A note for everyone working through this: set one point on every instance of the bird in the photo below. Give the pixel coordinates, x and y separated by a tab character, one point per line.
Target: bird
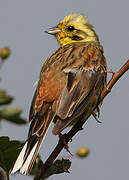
70	83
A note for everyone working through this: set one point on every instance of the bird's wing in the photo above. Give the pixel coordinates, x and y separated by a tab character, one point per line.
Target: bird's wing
84	85
82	97
79	85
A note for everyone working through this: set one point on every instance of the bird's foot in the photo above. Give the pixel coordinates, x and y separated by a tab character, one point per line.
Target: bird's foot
63	139
96	117
112	72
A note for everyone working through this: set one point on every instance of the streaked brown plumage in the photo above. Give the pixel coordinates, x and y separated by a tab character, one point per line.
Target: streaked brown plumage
70	84
61	75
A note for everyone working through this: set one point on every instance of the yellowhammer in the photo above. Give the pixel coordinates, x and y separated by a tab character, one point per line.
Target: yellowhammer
70	83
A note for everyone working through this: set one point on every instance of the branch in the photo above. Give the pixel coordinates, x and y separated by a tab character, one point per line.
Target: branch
78	126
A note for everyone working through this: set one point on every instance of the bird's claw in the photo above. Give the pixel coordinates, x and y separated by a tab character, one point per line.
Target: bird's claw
63	139
96	116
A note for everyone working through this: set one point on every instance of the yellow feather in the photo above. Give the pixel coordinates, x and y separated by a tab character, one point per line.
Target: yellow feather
83	29
75	17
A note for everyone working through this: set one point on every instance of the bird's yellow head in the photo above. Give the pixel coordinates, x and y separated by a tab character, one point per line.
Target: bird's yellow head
73	28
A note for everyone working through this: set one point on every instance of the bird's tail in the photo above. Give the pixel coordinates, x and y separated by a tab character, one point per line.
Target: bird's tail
29	152
26	159
30	156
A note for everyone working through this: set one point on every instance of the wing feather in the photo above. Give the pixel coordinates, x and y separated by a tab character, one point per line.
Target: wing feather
73	94
87	102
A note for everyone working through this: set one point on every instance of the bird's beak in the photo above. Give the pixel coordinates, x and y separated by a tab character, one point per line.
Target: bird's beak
53	30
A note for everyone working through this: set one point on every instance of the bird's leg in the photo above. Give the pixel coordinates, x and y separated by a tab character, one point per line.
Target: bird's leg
63	139
112	72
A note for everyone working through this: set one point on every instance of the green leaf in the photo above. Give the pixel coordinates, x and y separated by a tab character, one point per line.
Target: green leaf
16	120
37	165
12	114
59	166
5	98
9	151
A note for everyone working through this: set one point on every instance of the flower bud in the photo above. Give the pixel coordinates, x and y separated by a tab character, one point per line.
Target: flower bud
9	112
4	53
83	152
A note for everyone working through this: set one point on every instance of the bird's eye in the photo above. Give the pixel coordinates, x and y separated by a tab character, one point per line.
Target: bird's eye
70	28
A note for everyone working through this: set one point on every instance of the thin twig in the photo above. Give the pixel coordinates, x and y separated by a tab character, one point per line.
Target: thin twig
78	126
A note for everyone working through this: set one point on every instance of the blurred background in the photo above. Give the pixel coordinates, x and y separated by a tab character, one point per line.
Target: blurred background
22	25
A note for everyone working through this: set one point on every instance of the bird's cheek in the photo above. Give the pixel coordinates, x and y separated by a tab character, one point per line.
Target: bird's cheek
60	35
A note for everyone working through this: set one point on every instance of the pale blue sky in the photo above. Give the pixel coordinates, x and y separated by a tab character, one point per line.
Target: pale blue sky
22	25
